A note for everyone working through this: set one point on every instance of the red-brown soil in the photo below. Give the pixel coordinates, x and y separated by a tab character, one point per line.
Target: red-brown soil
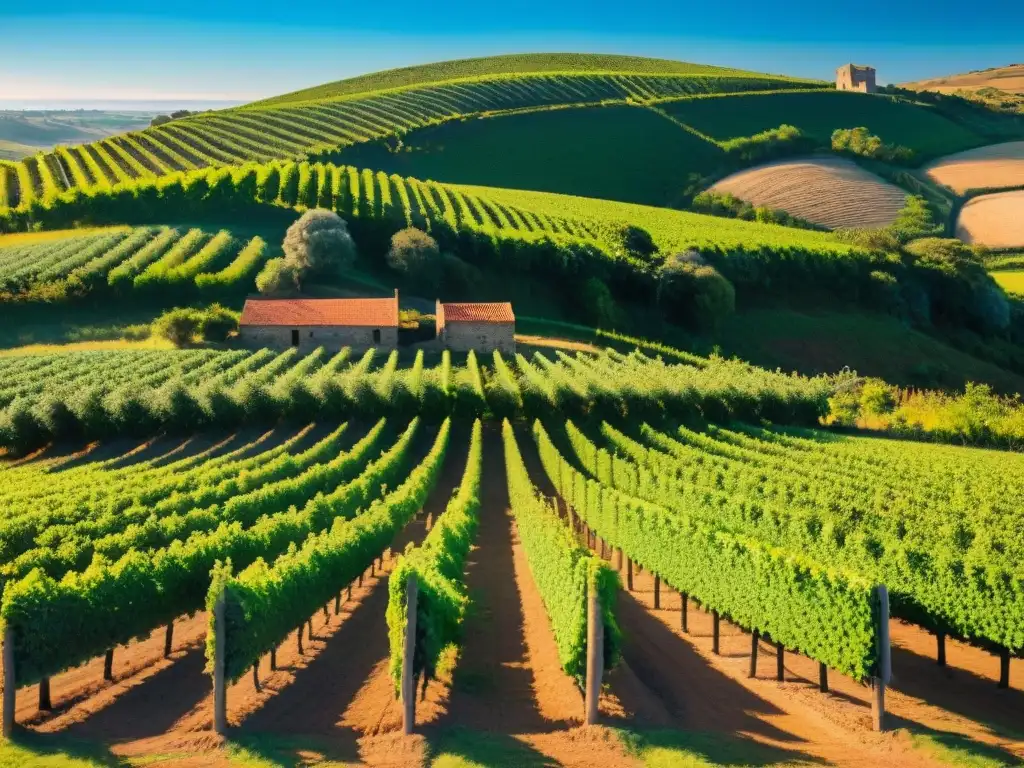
337	700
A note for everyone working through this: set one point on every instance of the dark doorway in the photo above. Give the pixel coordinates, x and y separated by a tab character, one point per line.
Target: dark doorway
376	336
295	337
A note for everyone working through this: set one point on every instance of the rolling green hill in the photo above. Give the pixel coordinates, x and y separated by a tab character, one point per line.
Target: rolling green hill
511	64
626	153
821	112
326	119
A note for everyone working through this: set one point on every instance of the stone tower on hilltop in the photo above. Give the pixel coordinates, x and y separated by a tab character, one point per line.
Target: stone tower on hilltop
851	77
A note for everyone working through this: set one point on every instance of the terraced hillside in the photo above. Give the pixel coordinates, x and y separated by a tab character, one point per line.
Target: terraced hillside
154	259
333	117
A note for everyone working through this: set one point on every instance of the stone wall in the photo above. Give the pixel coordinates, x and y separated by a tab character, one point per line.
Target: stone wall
483	337
331	338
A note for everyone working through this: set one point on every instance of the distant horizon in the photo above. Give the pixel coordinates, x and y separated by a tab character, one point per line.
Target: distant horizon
146	106
232	52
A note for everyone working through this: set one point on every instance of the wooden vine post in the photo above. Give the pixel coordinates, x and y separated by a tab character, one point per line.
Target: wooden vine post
595	655
220	704
10	687
408	656
884	668
715	621
754	639
657	592
683	599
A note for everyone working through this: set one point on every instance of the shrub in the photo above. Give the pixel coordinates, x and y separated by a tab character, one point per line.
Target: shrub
277	276
784	141
179	326
727	205
460	278
876	398
218	323
960	290
884	292
631	242
694	293
858	141
598	307
416	255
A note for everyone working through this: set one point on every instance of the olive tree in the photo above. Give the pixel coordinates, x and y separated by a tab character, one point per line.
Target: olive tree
415	254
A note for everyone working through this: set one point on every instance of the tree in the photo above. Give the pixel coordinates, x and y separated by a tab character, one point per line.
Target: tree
159	120
632	242
319	243
597	305
694	293
416	255
277	276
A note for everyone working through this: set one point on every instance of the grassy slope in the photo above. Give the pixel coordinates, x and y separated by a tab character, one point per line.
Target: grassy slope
499	65
819	113
11	150
872	345
671	229
1011	280
616	153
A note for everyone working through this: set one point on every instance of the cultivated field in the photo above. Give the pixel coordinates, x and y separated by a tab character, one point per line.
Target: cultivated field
998	165
734	575
995	221
832	192
1009	79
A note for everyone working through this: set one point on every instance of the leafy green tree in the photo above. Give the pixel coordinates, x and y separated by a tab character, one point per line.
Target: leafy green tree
319	243
694	293
416	255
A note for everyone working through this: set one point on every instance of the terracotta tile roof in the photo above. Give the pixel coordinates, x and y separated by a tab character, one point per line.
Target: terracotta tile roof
379	313
478	313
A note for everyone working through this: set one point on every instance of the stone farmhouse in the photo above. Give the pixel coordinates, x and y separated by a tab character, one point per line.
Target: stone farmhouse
481	327
852	77
328	323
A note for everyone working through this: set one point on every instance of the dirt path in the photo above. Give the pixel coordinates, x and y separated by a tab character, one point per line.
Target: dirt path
508	682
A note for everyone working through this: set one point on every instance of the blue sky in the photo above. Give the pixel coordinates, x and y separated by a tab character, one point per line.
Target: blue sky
187	50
